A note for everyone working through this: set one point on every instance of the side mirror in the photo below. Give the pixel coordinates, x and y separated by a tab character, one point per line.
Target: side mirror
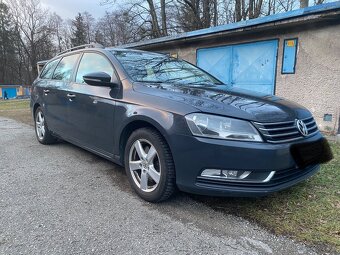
98	79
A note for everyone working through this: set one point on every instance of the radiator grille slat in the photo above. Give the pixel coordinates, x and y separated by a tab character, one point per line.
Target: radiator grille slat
280	132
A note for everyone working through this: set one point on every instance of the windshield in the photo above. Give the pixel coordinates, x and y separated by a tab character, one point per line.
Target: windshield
158	68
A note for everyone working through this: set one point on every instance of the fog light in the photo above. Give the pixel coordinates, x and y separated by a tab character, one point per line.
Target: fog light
211	173
230	173
225	174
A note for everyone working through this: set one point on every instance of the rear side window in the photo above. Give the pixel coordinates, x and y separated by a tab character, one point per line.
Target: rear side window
91	63
48	70
65	67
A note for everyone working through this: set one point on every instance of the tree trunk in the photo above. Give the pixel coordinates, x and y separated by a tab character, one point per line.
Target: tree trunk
154	20
303	3
243	10
215	14
251	9
206	13
163	15
258	8
238	15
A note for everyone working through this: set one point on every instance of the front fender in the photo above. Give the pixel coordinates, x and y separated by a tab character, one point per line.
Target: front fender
166	123
35	98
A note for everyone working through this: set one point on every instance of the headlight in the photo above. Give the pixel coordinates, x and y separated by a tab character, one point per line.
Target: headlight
222	127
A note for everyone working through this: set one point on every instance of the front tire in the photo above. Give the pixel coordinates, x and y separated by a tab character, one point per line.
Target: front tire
42	132
149	165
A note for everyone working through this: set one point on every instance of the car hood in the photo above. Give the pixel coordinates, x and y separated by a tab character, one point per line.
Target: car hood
228	101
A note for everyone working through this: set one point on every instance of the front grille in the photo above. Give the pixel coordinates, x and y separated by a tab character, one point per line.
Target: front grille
280	132
280	177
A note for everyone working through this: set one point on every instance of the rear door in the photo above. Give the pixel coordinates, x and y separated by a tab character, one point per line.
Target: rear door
46	90
55	95
91	111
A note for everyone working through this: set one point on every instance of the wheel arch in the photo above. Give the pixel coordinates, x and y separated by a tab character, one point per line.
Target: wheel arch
35	107
136	123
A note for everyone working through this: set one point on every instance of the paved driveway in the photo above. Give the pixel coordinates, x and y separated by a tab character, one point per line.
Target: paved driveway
60	199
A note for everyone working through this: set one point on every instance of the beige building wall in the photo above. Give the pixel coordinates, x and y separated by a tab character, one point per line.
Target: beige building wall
316	82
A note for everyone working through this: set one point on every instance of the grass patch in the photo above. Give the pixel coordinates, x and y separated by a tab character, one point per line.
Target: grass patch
16	109
309	211
15	104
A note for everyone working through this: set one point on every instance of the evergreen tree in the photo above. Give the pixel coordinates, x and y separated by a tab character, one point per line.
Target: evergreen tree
8	57
79	31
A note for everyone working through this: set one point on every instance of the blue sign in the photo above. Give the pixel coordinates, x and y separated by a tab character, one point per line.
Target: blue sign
289	56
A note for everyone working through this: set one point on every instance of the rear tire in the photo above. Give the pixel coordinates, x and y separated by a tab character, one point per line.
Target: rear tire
44	135
149	165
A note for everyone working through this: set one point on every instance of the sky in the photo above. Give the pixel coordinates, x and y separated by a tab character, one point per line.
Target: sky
68	9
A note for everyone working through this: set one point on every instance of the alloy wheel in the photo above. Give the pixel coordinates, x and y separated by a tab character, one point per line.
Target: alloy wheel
144	165
40	125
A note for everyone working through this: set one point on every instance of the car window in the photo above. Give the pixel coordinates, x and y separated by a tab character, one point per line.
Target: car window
91	63
158	68
48	70
65	67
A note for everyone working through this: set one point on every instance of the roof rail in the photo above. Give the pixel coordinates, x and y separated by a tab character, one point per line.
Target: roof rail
90	45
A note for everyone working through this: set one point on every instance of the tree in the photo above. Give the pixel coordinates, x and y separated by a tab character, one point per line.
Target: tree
304	3
118	27
107	27
99	37
197	14
163	16
189	15
56	25
255	8
89	23
32	24
67	33
79	31
8	57
156	32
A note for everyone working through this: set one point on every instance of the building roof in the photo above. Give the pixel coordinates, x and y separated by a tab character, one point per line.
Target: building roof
13	85
299	14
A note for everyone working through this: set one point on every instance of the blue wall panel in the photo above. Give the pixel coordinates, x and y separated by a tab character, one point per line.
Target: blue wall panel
11	92
249	66
254	66
216	61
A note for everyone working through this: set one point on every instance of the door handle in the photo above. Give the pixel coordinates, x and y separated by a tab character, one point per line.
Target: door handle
46	91
71	95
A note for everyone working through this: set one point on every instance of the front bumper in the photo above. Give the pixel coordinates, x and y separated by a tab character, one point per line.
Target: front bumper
194	154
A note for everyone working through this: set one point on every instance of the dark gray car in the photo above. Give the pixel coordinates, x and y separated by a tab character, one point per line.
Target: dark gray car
172	125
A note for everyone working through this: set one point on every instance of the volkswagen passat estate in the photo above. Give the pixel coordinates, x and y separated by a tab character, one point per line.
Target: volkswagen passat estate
172	125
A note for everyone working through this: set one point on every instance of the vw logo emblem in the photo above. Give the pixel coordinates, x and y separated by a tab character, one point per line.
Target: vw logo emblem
302	127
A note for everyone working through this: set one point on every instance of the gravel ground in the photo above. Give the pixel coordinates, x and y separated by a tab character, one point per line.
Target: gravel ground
60	199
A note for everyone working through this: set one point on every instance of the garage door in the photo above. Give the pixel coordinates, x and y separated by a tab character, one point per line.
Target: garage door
249	66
